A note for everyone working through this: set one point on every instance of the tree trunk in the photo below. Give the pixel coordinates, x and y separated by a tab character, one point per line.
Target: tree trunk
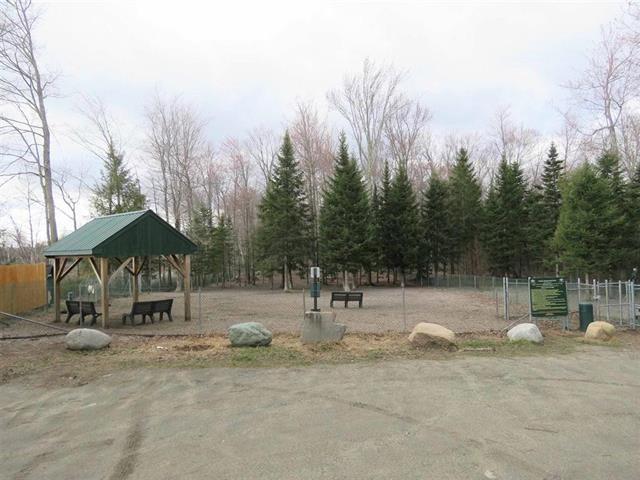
285	276
345	281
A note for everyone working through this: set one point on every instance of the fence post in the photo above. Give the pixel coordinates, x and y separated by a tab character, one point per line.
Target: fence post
304	303
578	293
529	292
595	299
404	308
620	299
505	294
606	297
200	306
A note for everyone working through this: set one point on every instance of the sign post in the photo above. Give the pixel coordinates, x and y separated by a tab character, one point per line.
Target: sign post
315	287
548	298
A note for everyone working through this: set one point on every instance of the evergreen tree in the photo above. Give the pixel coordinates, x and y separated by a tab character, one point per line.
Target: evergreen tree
284	233
385	221
375	258
344	217
465	207
403	223
117	191
551	202
505	218
582	237
617	226
436	228
222	249
538	236
201	232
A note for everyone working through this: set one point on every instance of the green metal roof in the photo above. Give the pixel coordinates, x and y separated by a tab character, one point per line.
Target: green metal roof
131	234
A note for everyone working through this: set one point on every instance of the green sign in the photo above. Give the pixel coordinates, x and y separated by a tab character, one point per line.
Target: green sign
548	297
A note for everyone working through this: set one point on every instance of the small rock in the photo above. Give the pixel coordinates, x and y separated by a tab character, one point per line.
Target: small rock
525	331
86	339
249	334
431	334
490	475
600	331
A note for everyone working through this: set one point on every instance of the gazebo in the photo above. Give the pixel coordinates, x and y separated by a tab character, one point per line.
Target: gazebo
129	239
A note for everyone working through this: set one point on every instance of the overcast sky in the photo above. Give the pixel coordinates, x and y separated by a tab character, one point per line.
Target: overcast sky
244	64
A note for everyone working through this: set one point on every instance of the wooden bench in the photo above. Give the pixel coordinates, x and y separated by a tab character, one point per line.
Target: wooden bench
148	309
347	297
76	307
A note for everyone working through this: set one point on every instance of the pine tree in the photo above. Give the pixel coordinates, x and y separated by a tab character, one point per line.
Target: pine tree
582	236
465	206
403	223
436	228
505	218
222	249
617	226
117	192
344	217
375	257
551	202
201	232
538	232
284	233
385	221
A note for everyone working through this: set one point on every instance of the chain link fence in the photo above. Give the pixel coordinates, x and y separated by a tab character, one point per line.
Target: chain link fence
463	303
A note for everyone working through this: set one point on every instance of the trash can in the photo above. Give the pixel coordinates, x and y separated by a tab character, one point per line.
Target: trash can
585	313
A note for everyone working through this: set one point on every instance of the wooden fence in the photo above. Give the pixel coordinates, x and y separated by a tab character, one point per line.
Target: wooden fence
22	287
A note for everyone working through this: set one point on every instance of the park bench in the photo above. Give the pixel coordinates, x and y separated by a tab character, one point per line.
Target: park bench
148	309
76	307
347	297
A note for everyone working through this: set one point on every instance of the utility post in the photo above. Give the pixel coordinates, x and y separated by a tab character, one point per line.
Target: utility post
315	287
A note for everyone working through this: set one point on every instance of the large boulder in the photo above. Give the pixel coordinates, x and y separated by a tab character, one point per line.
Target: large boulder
525	331
431	334
249	334
86	339
600	331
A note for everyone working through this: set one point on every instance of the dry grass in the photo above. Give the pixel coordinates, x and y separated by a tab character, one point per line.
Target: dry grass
47	361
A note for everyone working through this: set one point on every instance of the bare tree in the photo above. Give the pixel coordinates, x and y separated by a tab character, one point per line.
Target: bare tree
262	146
70	188
311	139
23	117
607	92
366	101
101	137
514	142
175	144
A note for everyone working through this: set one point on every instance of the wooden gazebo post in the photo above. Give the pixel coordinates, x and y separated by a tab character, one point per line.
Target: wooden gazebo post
104	280
187	287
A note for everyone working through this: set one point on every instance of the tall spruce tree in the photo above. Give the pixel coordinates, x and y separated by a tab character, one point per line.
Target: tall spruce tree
551	202
222	249
385	220
344	217
436	230
505	219
465	207
403	225
582	236
617	225
375	257
118	191
201	232
284	233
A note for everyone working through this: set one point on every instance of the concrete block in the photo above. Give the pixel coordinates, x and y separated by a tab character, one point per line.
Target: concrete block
321	327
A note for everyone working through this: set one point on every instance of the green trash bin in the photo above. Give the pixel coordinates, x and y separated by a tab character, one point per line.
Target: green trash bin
585	312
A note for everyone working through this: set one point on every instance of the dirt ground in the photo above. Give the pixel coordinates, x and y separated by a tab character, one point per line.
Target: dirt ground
371	407
215	310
